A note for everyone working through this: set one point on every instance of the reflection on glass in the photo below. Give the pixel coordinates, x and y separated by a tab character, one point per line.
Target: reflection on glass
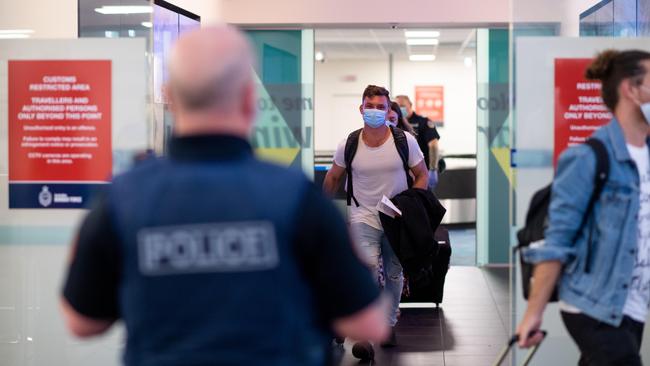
283	130
643	19
625	18
605	20
588	26
165	32
616	18
114	24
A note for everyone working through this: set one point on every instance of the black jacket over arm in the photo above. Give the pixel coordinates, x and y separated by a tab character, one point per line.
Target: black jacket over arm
412	235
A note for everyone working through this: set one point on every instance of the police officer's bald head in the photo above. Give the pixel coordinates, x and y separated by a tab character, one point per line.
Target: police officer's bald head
211	84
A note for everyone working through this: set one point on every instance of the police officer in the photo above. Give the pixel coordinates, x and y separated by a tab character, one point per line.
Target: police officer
209	256
427	135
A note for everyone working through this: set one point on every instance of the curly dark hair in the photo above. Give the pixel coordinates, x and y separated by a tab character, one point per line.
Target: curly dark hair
611	67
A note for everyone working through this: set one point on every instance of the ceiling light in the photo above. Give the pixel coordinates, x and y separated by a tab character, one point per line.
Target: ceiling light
131	33
124	9
147	24
422	57
16	31
422	42
13	36
421	34
319	56
468	62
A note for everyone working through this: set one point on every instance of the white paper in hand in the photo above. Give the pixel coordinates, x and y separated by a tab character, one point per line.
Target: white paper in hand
388	208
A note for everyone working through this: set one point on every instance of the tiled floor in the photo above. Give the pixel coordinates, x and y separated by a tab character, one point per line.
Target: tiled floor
469	329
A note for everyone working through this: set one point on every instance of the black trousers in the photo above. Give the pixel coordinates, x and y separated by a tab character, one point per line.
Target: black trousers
601	344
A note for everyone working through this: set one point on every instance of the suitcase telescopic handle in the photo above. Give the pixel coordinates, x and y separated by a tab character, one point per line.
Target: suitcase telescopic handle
513	341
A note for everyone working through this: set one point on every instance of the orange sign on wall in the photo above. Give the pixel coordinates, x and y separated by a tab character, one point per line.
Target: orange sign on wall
430	102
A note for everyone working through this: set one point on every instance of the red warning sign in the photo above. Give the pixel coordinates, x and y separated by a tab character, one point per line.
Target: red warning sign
60	121
579	108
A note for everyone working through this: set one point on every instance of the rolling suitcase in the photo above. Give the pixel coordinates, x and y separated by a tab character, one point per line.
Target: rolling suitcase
511	343
435	290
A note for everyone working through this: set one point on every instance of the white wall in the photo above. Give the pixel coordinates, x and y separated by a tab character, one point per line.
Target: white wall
458	136
48	18
336	100
564	12
441	12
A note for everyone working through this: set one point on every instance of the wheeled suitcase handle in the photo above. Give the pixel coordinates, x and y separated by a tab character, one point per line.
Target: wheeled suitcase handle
512	342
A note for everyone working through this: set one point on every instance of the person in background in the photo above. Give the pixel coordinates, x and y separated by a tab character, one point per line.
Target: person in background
395	118
427	136
603	308
210	256
377	171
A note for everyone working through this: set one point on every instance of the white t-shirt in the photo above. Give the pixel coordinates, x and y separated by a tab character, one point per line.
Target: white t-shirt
376	172
638	297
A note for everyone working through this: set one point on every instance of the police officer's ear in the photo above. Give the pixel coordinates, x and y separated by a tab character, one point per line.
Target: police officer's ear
248	102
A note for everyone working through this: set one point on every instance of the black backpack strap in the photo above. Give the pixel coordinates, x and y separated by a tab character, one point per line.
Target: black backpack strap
402	145
351	145
600	179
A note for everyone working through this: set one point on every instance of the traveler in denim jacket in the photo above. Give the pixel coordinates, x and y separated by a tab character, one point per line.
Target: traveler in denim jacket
604	308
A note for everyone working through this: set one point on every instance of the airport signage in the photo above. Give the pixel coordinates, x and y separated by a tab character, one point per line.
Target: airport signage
59	131
579	108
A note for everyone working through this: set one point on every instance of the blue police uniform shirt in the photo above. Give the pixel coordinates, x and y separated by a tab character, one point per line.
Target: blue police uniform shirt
212	257
426	131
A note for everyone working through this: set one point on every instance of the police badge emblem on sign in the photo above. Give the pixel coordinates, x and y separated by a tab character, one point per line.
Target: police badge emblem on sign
45	197
201	248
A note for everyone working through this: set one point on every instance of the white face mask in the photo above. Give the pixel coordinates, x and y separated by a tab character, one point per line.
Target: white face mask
645	107
391	124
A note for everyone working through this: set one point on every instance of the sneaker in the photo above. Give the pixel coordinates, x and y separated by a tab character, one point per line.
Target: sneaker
363	351
392	339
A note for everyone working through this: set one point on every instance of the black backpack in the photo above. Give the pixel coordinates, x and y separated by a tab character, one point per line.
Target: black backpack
537	216
351	145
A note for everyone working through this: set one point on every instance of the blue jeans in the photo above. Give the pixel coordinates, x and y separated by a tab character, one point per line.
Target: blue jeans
373	245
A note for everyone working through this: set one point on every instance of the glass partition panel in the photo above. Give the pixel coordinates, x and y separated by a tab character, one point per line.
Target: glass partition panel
284	131
625	18
75	113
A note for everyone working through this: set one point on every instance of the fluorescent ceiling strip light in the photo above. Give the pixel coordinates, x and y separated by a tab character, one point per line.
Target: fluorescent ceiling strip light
422	42
421	34
13	36
147	24
124	9
422	57
16	31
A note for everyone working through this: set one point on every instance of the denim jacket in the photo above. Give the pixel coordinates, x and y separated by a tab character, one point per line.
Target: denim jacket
602	291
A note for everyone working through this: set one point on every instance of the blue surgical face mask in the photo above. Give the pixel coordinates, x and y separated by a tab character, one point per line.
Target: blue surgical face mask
404	111
374	118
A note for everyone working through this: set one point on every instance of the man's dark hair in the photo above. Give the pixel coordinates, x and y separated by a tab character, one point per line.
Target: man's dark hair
612	66
374	91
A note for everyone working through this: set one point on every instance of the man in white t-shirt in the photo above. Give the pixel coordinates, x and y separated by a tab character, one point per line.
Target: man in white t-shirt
377	171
